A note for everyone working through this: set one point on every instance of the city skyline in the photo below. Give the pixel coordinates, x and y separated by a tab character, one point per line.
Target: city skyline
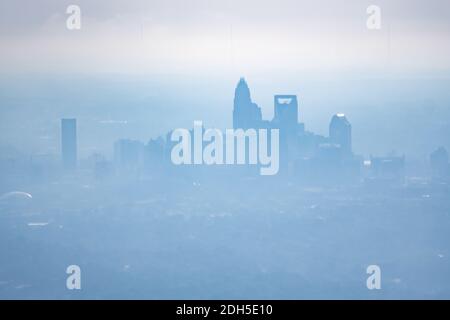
224	150
297	145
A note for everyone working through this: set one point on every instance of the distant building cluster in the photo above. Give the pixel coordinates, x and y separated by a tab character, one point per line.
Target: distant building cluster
303	153
304	156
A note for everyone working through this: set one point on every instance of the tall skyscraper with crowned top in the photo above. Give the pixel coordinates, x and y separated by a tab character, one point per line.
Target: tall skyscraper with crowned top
246	114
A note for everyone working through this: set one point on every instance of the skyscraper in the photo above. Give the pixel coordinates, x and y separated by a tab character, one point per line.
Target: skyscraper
246	114
286	112
340	132
69	143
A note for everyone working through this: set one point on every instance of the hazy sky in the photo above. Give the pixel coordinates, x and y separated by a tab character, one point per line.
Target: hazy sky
201	36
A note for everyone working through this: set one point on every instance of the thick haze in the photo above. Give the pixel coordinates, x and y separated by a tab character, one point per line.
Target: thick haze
222	36
137	69
139	226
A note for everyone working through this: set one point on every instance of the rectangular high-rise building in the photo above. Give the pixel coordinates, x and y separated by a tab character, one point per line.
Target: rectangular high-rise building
69	143
286	112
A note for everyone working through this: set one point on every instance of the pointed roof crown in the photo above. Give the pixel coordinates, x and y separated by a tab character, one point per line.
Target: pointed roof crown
242	92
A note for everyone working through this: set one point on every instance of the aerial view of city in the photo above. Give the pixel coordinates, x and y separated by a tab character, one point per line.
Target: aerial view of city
224	150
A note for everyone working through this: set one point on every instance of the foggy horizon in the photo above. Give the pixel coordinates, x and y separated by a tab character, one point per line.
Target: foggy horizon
214	150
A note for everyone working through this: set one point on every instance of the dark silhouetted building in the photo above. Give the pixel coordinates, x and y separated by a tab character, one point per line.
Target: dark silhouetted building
69	143
340	132
286	113
246	114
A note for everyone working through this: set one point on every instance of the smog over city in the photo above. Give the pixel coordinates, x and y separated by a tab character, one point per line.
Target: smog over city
224	150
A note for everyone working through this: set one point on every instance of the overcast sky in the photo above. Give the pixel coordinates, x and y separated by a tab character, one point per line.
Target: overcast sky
201	36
